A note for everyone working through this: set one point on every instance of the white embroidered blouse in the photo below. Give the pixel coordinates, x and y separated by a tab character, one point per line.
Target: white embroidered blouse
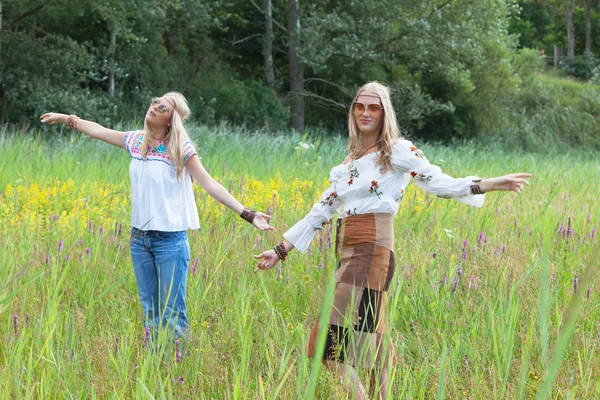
160	201
359	187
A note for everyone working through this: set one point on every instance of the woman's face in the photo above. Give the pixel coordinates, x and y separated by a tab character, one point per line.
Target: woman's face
368	113
160	112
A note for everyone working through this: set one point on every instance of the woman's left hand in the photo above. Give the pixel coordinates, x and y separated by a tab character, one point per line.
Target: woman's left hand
260	222
510	182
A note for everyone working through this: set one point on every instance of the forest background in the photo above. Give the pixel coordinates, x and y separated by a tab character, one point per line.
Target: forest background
460	69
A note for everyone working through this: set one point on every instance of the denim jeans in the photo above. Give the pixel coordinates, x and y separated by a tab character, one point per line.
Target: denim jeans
160	261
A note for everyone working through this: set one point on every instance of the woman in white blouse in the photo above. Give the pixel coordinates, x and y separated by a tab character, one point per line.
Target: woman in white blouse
163	162
365	192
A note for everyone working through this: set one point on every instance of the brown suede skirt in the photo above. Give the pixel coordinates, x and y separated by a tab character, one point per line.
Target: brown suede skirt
358	331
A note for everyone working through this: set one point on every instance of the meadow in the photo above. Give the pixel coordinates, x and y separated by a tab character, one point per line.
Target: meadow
492	303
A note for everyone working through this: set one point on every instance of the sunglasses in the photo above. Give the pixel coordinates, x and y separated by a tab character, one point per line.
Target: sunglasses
161	107
359	108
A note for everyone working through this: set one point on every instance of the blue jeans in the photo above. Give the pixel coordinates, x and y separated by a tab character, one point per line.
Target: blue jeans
160	261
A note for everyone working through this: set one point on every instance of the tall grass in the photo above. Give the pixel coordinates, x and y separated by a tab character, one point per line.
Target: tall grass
486	303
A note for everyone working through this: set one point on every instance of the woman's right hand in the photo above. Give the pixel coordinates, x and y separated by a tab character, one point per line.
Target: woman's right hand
268	260
54	118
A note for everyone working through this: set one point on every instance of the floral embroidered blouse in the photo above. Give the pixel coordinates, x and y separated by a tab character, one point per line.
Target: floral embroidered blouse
359	187
160	201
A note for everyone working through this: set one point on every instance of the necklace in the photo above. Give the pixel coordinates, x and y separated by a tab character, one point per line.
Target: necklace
363	153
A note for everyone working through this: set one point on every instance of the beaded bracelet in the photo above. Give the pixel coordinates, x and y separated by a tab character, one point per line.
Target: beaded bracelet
248	215
280	251
72	121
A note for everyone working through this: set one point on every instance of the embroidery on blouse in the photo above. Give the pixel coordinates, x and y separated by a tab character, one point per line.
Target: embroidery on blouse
418	153
156	153
329	199
351	213
375	189
353	174
420	177
400	197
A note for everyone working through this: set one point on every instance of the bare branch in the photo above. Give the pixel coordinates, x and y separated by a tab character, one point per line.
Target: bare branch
325	102
340	88
235	42
262	11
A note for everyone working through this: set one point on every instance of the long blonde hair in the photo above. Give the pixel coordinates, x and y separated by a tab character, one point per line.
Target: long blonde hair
390	131
176	135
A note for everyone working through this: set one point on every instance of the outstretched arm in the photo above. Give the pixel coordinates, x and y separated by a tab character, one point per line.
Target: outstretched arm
511	183
90	128
219	193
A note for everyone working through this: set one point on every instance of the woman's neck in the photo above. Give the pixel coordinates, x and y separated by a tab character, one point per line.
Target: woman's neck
158	133
368	140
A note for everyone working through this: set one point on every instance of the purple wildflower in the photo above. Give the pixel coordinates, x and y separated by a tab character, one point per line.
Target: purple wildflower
87	251
67	257
435	286
472	282
485	242
194	266
309	251
287	280
443	280
464	245
480	237
503	249
90	225
593	232
47	258
456	279
101	229
16	323
177	351
60	245
458	270
575	282
587	294
434	255
147	336
589	217
279	272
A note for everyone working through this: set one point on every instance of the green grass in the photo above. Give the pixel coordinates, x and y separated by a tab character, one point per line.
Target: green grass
513	328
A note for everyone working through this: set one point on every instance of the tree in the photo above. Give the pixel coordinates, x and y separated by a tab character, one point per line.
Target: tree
569	5
268	50
296	67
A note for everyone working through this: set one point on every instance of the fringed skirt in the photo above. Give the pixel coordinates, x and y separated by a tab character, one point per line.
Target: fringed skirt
358	331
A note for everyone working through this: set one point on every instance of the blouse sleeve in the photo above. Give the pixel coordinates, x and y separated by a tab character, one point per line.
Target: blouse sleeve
409	159
130	140
188	151
302	233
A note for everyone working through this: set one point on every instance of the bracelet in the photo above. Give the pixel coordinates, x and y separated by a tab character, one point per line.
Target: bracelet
475	189
280	251
283	250
72	121
248	215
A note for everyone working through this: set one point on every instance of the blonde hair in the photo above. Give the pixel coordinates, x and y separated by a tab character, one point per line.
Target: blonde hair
390	132
176	135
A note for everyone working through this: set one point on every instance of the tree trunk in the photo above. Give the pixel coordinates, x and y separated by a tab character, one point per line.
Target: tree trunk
570	31
268	50
111	58
296	71
588	26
